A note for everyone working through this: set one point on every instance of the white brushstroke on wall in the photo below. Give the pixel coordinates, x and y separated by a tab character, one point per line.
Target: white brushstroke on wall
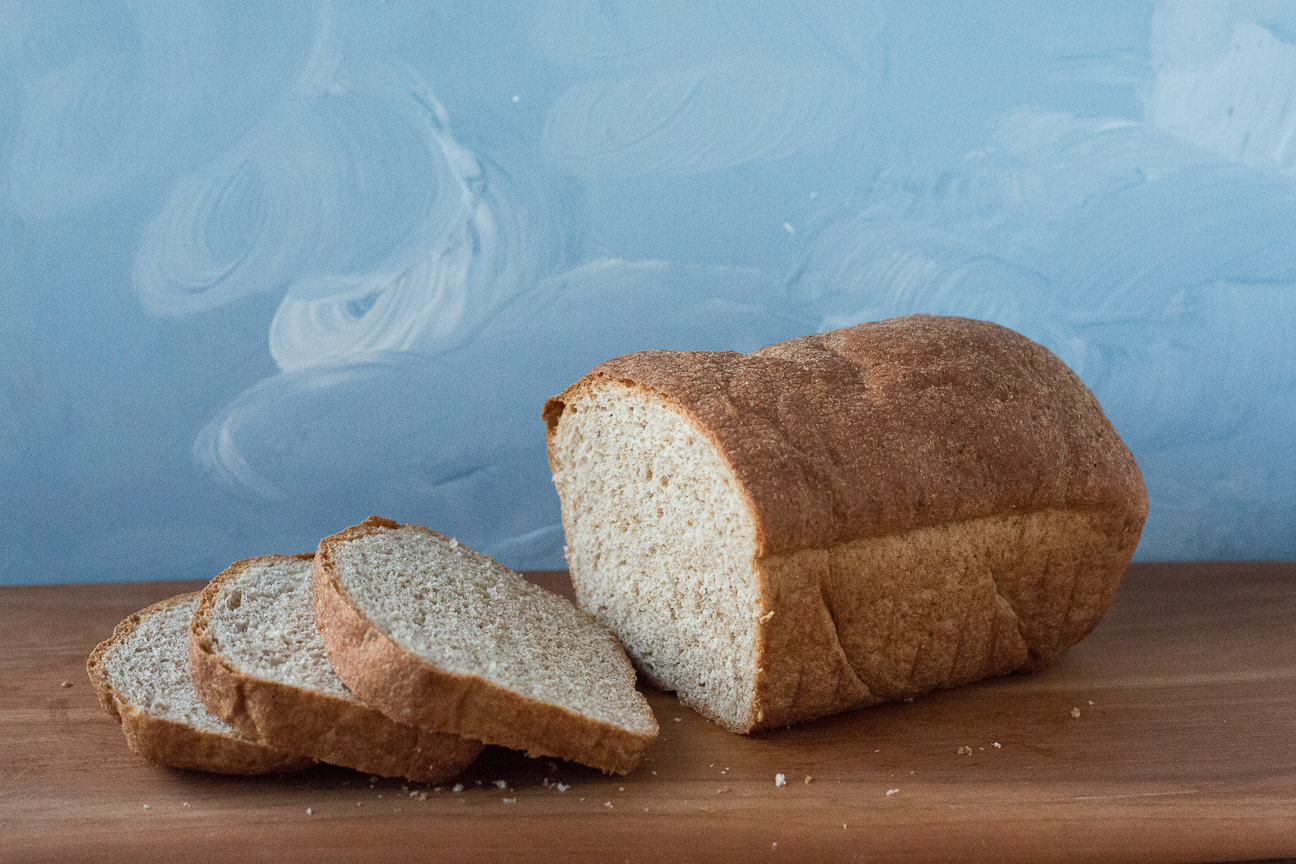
1226	78
694	88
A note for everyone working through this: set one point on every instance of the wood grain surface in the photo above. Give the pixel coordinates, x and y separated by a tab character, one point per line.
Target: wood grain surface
1184	750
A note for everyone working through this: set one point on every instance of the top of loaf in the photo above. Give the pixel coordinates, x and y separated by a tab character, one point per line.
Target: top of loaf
889	426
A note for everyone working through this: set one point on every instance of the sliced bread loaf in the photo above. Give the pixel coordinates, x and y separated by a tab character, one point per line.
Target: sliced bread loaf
259	663
439	636
842	519
141	675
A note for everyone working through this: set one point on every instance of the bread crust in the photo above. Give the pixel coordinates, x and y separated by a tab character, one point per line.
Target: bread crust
169	742
407	688
319	725
896	433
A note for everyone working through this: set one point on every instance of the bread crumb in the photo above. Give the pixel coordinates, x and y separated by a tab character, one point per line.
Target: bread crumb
563	787
510	800
780	780
186	804
607	804
1075	712
996	745
679	719
621	789
774	845
503	784
892	792
654	773
69	684
843	826
422	796
404	788
1090	701
146	807
458	787
965	751
808	779
310	812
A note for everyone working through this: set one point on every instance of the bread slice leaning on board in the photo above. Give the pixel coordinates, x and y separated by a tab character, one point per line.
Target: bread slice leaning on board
141	676
440	637
843	519
259	663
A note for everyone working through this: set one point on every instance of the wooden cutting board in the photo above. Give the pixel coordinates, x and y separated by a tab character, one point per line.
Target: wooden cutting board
1184	749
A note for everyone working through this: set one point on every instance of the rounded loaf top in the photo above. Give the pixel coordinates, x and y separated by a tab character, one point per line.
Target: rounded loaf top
889	426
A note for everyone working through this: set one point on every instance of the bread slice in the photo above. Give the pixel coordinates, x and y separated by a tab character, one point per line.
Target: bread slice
141	675
259	663
847	518
436	635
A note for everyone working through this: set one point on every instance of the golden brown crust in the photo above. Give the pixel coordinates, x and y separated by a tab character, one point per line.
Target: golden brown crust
885	427
319	725
941	463
174	744
409	689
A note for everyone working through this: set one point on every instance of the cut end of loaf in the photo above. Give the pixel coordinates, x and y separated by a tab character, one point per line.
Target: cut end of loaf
660	543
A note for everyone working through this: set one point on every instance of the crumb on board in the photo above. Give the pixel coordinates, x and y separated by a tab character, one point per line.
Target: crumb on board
69	684
607	804
808	779
502	784
780	780
679	719
1075	712
891	792
965	751
147	807
510	800
458	787
997	746
310	812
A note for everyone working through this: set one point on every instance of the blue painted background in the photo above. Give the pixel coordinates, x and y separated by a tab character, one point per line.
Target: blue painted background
266	269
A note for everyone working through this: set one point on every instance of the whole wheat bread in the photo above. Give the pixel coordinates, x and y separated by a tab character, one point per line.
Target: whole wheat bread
141	676
436	635
847	518
259	663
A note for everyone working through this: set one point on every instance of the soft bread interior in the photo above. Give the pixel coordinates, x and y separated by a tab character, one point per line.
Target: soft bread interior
661	544
150	669
468	615
263	623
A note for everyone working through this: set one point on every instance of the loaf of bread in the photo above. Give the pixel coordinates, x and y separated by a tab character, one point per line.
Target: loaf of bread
259	663
839	520
141	676
437	636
